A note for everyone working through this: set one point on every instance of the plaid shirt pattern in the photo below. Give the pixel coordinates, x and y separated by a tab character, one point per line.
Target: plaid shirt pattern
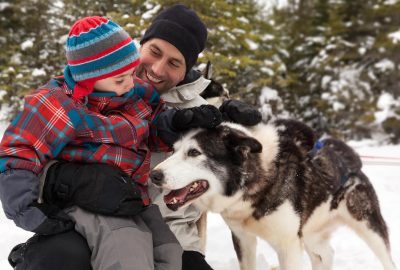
108	129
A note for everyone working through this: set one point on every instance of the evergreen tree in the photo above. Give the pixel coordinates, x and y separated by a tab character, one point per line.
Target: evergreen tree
336	49
330	61
23	24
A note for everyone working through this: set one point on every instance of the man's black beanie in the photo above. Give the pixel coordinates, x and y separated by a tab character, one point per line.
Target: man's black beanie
181	27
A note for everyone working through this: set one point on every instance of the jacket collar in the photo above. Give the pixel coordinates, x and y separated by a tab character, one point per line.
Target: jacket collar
186	92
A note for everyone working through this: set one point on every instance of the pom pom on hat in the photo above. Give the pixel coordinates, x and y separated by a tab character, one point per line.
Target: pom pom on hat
98	48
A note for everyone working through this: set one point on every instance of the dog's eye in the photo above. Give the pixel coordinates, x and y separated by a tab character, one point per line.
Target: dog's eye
193	153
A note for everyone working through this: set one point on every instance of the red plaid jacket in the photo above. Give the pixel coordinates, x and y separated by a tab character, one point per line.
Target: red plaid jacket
108	129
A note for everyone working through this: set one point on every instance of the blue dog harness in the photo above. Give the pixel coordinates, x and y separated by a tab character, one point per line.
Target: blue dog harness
345	174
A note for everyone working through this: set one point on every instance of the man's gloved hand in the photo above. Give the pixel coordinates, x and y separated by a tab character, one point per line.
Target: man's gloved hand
98	188
205	116
239	112
56	222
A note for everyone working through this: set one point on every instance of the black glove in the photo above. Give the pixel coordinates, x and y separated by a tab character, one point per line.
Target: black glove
205	116
193	260
239	112
98	188
56	222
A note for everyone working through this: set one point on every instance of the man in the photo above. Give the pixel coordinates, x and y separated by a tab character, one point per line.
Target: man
169	50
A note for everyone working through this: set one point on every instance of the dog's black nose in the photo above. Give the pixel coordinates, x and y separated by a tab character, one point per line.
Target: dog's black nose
157	177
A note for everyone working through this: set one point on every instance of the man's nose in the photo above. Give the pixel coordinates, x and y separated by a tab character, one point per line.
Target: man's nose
159	67
157	177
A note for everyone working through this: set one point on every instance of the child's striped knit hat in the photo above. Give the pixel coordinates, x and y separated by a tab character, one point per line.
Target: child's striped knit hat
98	48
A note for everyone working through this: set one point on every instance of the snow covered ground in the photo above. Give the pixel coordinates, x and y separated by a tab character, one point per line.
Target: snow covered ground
350	252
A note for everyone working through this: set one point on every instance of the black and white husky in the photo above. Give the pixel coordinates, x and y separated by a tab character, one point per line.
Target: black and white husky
271	182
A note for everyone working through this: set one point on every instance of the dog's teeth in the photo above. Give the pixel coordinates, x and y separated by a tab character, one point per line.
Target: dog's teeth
191	189
195	185
174	200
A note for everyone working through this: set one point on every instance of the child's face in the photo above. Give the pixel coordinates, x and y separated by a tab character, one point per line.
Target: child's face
161	64
120	84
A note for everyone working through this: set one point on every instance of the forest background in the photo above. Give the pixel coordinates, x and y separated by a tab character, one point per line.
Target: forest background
331	63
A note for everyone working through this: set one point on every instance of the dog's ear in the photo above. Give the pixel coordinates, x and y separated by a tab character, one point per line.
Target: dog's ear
207	71
240	143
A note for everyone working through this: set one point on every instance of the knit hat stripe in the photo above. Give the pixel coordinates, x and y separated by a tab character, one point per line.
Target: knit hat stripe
104	70
101	54
105	60
100	46
85	24
103	31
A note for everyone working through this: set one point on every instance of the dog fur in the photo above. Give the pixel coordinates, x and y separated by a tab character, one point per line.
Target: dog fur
215	93
270	182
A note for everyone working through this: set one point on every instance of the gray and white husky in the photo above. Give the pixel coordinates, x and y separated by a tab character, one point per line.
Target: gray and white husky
270	181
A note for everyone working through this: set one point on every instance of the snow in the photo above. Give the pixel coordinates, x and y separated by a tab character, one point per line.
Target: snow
252	44
27	44
4	5
385	65
386	103
270	4
16	58
59	4
38	72
350	252
395	36
362	50
337	106
268	94
243	19
391	2
150	14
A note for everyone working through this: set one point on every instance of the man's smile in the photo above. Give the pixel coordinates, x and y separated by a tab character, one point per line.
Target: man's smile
152	79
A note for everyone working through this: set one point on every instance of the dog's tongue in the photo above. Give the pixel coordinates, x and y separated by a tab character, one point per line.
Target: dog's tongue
178	194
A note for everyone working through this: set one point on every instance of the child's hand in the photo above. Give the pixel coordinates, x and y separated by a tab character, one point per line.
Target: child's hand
98	188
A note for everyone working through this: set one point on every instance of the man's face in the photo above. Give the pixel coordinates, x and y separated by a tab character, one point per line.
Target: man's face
161	64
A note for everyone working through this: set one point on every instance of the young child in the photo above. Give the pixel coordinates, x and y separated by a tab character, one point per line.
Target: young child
96	113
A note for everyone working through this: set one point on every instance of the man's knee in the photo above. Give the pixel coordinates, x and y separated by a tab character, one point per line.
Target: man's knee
168	257
64	251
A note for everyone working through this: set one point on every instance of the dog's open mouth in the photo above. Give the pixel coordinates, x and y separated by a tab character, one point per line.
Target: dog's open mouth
179	197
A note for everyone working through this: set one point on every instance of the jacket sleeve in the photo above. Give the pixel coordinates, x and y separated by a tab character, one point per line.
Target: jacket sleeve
162	134
36	135
19	189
